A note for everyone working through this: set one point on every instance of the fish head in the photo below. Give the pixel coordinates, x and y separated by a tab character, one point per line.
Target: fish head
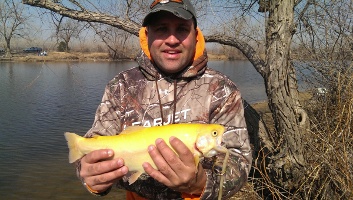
209	140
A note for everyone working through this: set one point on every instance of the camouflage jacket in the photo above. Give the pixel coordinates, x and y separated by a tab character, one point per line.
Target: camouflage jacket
143	96
198	95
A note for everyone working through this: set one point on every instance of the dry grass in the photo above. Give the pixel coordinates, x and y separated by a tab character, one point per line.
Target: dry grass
329	144
328	149
59	56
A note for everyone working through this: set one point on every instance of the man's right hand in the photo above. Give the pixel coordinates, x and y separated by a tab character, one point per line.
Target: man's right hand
99	171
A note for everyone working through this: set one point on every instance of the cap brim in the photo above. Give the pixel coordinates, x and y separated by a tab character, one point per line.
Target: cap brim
179	12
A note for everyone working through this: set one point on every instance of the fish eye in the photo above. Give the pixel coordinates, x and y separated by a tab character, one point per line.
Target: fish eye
214	133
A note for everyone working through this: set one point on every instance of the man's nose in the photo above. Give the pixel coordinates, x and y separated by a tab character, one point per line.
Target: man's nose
172	39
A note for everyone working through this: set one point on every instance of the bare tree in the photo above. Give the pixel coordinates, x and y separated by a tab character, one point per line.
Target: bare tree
326	37
115	39
66	29
13	22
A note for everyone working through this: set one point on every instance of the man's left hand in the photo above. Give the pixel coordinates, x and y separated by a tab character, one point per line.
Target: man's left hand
176	170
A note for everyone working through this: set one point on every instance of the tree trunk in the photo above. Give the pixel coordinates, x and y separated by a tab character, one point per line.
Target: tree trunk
8	48
287	163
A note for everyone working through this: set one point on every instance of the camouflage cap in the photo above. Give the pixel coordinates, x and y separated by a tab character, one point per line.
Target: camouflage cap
180	8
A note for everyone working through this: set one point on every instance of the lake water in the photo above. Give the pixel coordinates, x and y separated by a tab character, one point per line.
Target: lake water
40	101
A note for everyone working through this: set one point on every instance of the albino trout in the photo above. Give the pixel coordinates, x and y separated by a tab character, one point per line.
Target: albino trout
203	140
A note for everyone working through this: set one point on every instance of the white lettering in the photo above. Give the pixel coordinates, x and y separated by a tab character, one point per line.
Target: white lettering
185	112
157	122
169	120
136	123
147	124
176	117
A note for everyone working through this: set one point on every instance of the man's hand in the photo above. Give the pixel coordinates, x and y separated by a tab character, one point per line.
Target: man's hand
176	170
99	171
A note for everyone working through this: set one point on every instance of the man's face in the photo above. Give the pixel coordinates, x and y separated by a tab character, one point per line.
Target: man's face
171	41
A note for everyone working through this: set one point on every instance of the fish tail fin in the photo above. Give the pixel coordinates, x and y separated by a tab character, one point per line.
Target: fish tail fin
72	140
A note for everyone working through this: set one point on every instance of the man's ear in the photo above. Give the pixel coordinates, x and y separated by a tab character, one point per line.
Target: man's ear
146	34
196	33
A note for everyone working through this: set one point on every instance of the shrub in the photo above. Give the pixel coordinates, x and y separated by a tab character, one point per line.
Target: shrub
62	47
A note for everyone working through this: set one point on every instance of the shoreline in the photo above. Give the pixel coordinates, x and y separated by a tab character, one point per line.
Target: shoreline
55	56
58	57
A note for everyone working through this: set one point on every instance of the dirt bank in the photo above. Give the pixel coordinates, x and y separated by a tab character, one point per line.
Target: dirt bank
57	57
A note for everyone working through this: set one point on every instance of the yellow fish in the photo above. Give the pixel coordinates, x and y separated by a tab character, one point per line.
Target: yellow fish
131	144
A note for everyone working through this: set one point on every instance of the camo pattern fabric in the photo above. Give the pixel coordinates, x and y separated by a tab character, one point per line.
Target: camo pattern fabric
202	95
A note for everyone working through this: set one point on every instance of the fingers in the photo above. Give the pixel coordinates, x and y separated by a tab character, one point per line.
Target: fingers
100	171
163	168
167	161
175	169
103	181
91	164
98	155
183	151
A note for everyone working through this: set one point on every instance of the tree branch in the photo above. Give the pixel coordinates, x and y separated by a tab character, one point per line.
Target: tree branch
245	48
89	16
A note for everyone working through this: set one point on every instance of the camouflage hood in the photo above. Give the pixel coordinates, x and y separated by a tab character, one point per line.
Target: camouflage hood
151	72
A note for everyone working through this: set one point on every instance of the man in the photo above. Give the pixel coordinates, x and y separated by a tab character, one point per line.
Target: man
171	85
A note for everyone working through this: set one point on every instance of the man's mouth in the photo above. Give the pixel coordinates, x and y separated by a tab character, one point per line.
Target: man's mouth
171	51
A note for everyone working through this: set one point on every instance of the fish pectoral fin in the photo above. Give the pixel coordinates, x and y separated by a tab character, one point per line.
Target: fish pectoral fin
197	160
134	177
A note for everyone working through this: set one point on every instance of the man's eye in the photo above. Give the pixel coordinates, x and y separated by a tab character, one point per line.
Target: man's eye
182	29
161	29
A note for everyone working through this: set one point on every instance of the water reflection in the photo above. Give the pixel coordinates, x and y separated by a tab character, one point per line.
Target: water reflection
245	76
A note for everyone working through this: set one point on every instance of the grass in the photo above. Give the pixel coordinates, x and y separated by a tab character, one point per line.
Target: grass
328	149
58	56
329	145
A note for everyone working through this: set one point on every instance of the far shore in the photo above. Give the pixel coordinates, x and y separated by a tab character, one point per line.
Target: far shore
75	56
57	57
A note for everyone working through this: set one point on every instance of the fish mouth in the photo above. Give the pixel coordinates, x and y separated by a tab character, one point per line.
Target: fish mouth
197	149
210	153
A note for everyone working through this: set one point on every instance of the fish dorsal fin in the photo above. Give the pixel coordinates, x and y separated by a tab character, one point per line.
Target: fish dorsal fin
131	129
